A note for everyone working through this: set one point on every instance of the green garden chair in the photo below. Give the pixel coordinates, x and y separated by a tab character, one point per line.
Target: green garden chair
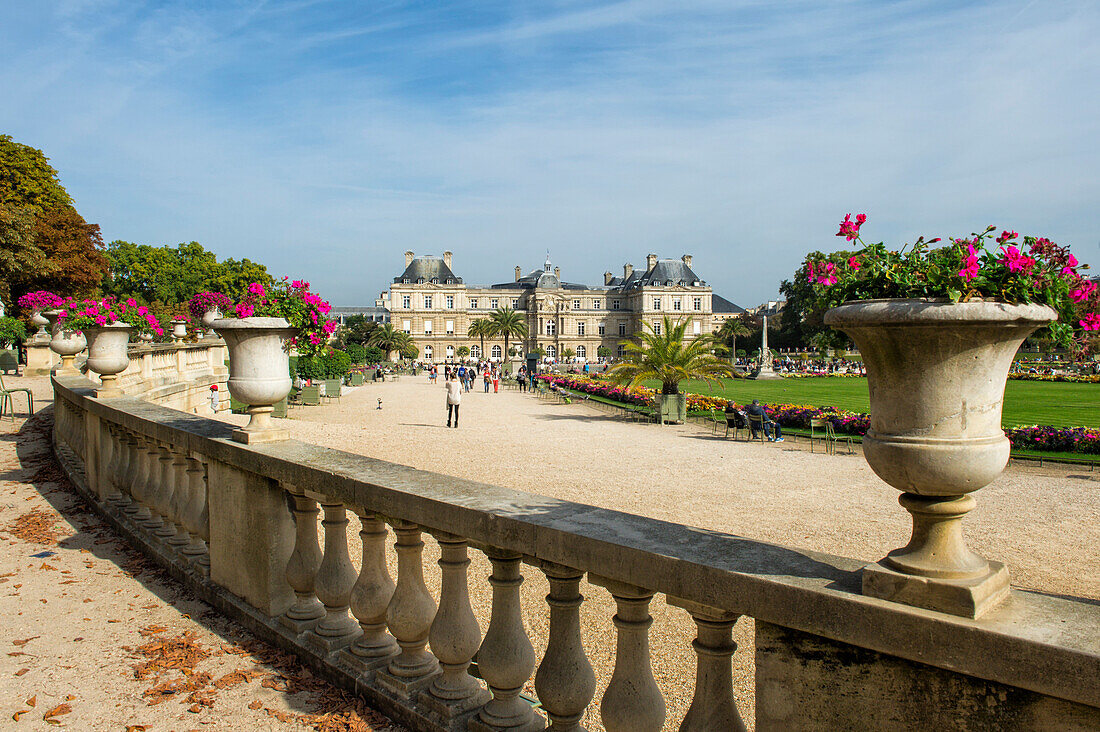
833	437
279	409
756	427
818	431
8	400
311	396
9	361
356	379
332	389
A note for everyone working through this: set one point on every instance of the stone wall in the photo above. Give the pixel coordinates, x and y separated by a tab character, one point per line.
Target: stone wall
238	525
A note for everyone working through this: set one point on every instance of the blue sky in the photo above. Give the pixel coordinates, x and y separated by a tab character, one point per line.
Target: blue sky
326	138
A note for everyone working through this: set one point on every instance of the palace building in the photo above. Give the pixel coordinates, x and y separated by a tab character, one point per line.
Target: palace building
435	306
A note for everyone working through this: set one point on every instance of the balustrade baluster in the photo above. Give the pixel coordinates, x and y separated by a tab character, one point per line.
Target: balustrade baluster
333	582
565	681
108	470
370	597
632	701
301	568
130	473
163	503
713	706
454	636
506	658
409	617
194	513
140	489
119	469
154	483
181	496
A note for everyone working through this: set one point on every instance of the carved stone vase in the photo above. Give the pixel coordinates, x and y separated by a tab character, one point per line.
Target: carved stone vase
936	371
66	342
208	319
107	355
41	322
259	371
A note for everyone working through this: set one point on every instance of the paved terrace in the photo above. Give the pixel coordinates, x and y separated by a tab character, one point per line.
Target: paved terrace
100	602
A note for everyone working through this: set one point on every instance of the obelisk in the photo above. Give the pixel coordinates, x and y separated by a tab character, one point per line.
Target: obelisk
765	369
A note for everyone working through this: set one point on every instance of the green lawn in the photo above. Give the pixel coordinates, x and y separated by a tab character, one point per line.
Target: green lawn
1026	402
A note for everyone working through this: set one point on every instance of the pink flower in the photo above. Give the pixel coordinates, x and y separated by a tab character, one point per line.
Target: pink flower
853	263
244	310
1006	236
850	229
933	241
1015	261
256	289
142	310
1084	289
131	303
810	272
315	339
971	267
313	317
101	320
1091	322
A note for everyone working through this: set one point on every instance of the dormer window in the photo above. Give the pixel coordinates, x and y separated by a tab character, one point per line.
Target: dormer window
435	280
419	280
405	281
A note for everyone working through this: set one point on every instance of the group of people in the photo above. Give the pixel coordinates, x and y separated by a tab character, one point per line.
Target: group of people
740	418
460	379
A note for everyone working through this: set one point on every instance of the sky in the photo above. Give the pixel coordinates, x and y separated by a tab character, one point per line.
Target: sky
326	138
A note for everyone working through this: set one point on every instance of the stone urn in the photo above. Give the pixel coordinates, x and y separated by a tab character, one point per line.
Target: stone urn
40	321
179	330
66	342
107	355
208	319
259	371
936	371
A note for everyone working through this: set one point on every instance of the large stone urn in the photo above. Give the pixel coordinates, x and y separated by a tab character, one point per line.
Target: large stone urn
66	342
40	321
936	371
208	319
259	371
107	355
179	330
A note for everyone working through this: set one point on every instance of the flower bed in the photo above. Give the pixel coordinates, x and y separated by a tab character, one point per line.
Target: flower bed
1052	439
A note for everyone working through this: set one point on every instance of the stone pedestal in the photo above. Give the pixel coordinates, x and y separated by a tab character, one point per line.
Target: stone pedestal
41	361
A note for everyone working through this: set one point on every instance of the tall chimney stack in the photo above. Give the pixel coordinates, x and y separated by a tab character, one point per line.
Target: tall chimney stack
518	272
607	277
557	273
686	260
650	261
447	259
408	258
627	269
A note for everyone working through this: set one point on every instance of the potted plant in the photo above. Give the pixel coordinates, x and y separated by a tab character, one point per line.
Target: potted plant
270	321
37	303
937	329
107	326
206	307
664	355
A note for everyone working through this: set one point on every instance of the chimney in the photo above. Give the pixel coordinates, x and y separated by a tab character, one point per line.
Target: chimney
686	259
447	259
607	277
557	273
650	261
627	269
408	258
518	273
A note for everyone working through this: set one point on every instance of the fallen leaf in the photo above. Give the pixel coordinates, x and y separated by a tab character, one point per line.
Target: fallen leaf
136	728
32	701
22	671
25	641
194	709
255	705
57	711
19	714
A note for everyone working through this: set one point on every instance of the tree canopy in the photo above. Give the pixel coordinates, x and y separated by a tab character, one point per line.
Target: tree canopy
174	274
664	354
44	242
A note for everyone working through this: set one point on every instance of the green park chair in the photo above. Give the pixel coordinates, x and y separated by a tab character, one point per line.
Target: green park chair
756	427
7	399
311	396
356	379
9	361
332	389
819	432
279	409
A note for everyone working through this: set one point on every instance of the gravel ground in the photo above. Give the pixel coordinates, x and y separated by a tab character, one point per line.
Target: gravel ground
774	492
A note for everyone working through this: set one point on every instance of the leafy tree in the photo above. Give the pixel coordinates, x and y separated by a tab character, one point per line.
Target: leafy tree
358	328
12	331
462	352
174	274
603	352
568	354
45	242
481	328
667	357
389	338
356	352
408	349
373	354
799	322
508	324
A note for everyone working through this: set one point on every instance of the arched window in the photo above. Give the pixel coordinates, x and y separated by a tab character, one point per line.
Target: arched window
582	352
551	352
496	353
475	351
427	353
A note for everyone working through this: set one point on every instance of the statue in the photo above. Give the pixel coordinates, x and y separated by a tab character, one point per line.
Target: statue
765	369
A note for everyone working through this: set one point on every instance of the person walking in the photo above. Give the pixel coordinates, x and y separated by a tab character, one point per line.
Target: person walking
486	378
454	398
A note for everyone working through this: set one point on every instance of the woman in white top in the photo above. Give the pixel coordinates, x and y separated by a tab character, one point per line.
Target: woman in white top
454	397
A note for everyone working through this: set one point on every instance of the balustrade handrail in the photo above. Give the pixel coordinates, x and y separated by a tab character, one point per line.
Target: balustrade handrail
808	591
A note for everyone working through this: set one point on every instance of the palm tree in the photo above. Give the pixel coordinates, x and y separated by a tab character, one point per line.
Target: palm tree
729	331
480	328
388	338
507	323
668	358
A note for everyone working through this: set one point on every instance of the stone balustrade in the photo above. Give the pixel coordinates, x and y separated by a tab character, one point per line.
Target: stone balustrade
238	525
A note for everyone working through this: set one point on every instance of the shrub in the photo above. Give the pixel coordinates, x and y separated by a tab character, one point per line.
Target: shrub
12	331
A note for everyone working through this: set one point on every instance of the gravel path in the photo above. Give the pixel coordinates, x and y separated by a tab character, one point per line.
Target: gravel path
774	492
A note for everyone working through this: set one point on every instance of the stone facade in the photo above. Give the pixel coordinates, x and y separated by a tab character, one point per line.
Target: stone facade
431	303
